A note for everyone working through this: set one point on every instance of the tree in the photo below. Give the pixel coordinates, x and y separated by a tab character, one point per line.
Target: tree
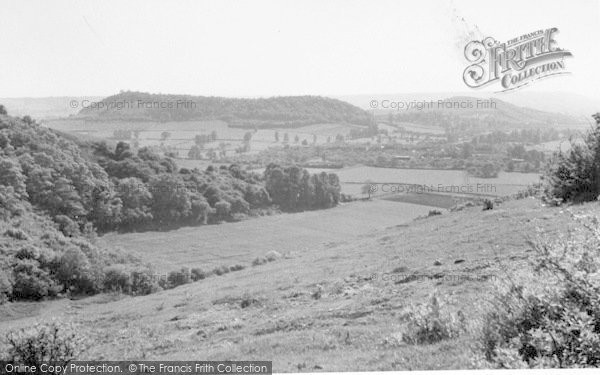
286	138
296	138
276	136
223	210
136	201
195	152
3	110
164	136
368	188
201	139
11	175
171	201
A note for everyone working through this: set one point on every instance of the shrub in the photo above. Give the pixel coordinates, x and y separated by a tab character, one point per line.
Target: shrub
143	282
181	277
77	274
488	205
198	274
556	324
236	267
43	343
117	279
17	234
44	256
67	226
221	270
431	323
434	213
272	255
31	282
258	261
6	286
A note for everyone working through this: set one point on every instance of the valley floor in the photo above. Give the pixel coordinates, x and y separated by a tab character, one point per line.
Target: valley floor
334	304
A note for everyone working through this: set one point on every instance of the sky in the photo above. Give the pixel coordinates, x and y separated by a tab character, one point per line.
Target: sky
275	47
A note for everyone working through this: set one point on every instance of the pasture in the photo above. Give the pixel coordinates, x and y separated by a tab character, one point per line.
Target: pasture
241	242
182	133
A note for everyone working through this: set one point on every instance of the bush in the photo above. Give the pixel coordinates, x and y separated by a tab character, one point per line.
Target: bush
272	255
434	213
31	282
488	205
77	274
236	267
117	279
556	324
67	226
44	256
43	343
431	323
221	270
6	286
198	274
143	282
258	261
181	277
17	234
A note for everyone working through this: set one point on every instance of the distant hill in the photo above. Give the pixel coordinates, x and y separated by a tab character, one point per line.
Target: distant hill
502	111
556	102
476	114
46	108
290	111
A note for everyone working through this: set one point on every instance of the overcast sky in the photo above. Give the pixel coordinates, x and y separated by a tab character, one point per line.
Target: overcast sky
267	48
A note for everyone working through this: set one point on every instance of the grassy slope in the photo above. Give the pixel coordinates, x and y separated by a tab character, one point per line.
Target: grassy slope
216	245
357	322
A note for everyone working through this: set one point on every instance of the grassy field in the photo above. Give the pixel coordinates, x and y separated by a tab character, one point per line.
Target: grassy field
336	302
440	181
182	133
455	182
289	234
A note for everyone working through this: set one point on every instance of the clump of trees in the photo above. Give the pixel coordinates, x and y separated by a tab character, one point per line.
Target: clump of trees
151	192
295	189
574	175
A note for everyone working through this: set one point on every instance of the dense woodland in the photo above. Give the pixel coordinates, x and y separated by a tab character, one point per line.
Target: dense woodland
283	112
56	193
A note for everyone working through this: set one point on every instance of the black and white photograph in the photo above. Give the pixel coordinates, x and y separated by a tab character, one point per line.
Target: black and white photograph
299	186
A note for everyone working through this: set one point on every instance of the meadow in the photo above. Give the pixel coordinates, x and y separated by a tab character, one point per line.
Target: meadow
182	133
447	182
296	233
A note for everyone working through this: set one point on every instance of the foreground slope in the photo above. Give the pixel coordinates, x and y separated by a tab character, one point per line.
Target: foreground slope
337	306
